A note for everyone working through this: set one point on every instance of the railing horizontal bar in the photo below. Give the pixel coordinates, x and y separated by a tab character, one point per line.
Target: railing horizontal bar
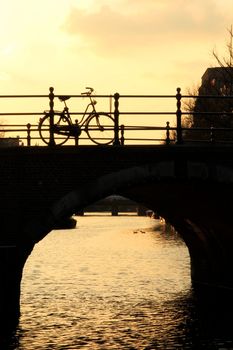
126	128
18	113
121	96
129	127
147	96
20	138
130	113
121	113
14	130
83	96
133	128
208	96
20	125
147	113
207	113
143	139
86	96
23	96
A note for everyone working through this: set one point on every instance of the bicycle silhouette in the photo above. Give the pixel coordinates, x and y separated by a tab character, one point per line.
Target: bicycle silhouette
99	126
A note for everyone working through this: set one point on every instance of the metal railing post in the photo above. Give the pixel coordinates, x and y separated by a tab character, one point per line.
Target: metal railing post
28	134
122	135
76	138
51	115
116	141
179	137
168	134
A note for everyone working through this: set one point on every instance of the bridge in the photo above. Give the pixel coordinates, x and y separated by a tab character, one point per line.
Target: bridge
115	205
190	184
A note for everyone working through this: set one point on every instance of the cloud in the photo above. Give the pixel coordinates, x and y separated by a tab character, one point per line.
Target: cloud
105	28
143	24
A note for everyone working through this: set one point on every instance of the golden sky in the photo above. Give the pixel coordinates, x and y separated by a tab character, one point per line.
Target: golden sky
129	46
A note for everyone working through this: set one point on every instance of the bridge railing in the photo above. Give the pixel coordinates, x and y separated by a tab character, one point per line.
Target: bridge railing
190	119
138	119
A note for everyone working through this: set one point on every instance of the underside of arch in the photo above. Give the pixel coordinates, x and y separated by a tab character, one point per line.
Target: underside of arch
199	207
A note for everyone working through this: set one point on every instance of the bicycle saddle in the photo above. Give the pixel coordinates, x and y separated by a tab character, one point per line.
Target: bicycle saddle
63	98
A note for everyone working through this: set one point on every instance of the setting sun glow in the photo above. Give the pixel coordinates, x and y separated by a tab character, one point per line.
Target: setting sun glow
122	45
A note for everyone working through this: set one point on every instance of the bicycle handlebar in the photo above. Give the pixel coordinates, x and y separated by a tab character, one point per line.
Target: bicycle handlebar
90	88
88	93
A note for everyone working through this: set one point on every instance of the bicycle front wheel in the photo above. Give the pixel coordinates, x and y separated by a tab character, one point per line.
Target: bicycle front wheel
100	128
61	129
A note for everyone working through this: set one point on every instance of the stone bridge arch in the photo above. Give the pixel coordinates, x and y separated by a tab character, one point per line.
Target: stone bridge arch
195	197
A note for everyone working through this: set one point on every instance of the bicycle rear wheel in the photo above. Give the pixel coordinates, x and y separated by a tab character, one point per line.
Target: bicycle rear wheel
61	128
100	128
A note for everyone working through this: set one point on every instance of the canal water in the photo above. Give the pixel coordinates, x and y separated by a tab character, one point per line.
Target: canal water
114	283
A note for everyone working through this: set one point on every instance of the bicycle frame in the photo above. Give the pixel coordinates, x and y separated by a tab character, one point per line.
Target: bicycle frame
82	122
92	103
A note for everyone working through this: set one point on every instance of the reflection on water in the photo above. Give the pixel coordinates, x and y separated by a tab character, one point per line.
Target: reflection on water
113	283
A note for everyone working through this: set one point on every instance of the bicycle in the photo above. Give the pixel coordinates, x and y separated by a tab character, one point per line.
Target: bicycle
93	123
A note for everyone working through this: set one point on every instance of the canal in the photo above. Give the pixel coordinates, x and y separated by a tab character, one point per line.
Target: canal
114	283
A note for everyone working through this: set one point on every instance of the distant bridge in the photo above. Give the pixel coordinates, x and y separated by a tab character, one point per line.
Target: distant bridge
115	205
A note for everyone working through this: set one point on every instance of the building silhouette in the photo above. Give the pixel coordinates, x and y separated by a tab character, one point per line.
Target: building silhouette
213	107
